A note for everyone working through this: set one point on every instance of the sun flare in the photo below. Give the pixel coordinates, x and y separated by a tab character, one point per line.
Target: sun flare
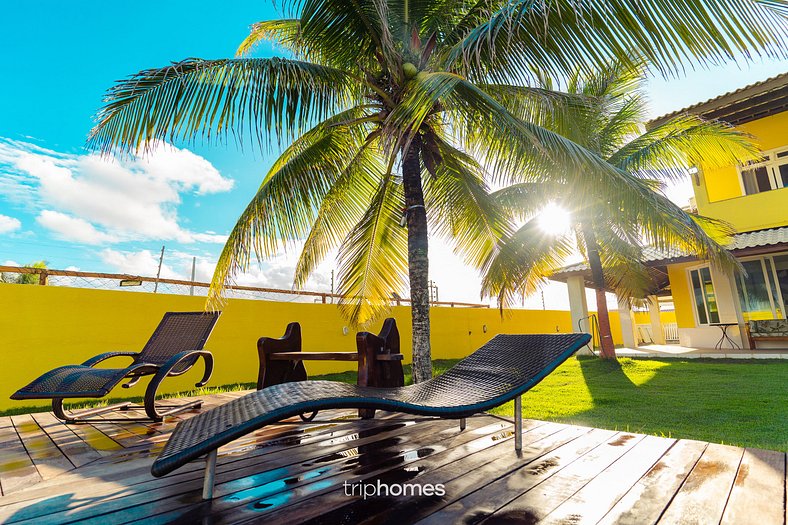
554	220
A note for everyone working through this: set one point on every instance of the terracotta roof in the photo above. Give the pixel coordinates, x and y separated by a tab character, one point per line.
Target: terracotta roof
751	102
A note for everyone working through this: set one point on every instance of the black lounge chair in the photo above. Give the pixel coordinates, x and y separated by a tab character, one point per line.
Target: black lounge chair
503	369
172	350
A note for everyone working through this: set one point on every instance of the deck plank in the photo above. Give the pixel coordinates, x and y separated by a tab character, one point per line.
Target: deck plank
458	478
647	499
539	501
17	470
589	504
702	497
236	490
47	457
501	489
760	481
73	447
296	473
178	484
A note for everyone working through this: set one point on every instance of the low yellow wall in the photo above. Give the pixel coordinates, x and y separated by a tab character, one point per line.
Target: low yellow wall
665	317
43	327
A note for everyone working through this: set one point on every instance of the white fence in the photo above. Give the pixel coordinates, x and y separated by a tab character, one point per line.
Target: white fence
670	331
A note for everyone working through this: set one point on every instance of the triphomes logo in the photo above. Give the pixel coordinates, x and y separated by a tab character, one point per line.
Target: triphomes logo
369	490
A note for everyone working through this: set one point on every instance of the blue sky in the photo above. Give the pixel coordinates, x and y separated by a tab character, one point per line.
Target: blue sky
60	204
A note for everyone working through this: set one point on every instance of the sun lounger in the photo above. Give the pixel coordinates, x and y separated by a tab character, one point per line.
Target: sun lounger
502	370
172	350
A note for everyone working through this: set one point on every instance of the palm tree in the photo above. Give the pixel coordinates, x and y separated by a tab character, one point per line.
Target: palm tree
396	111
23	278
610	227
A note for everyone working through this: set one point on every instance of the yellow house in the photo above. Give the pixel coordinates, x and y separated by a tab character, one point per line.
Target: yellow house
753	198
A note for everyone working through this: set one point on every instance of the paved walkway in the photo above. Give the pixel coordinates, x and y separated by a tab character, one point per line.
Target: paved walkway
690	353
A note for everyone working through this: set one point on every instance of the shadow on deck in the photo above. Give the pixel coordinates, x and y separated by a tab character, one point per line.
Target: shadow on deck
317	472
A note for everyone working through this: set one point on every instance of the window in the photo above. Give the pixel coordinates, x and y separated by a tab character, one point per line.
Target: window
763	292
703	293
767	173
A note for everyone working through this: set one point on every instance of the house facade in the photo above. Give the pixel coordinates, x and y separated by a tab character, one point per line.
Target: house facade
753	198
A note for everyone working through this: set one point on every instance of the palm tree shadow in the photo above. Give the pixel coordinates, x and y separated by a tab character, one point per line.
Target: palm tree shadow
603	376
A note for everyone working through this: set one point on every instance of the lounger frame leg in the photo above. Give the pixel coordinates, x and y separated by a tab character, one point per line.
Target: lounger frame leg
518	423
90	415
210	474
462	424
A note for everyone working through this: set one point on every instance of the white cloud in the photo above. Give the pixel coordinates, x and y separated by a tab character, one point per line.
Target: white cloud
142	262
9	224
183	167
71	228
128	200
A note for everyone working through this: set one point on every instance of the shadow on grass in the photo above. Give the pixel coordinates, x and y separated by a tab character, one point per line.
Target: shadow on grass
735	402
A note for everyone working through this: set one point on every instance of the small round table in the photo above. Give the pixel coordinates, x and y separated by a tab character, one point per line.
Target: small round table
725	337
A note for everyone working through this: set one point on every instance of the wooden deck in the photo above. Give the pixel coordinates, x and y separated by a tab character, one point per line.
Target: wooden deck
99	473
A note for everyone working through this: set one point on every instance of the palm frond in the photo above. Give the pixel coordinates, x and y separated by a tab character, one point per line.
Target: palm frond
522	262
288	200
560	35
341	209
525	199
671	148
285	33
373	257
215	98
460	208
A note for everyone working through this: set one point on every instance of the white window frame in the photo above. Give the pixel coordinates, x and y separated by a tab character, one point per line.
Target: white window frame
772	164
698	268
773	285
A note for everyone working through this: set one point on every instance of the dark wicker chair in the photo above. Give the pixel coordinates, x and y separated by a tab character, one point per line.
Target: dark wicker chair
175	346
503	369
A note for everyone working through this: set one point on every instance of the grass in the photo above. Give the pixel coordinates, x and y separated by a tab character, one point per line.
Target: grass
737	402
731	401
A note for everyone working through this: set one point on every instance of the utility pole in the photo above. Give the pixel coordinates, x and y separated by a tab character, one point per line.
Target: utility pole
433	288
194	273
158	272
332	286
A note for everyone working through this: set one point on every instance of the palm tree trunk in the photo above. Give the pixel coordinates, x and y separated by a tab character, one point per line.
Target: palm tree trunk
597	275
418	263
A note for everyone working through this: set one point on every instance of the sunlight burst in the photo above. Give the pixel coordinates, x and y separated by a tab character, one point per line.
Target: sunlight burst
554	220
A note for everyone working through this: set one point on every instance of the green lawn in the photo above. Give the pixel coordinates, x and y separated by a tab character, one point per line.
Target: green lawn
738	402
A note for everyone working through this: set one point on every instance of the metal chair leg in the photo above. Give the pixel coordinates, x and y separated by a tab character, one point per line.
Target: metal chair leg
210	474
462	424
518	423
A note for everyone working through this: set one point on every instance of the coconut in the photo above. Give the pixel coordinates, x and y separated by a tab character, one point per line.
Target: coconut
410	70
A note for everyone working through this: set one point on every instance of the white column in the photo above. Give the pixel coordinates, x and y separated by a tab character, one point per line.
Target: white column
656	322
728	304
627	323
577	301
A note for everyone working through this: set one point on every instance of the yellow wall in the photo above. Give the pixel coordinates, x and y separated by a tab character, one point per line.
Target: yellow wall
682	300
43	327
665	317
720	194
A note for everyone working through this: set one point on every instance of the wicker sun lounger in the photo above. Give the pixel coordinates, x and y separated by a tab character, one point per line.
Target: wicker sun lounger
172	350
503	369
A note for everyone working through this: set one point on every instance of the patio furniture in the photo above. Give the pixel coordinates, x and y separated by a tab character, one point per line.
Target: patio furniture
725	337
767	330
172	350
378	356
501	370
